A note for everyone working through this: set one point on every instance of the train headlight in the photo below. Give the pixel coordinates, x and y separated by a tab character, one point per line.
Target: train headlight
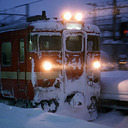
47	65
96	64
78	16
67	16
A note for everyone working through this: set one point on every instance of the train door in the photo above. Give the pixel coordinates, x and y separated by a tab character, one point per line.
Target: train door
21	69
73	60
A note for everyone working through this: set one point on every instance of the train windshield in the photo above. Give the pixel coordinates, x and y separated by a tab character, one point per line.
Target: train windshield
49	43
74	43
44	43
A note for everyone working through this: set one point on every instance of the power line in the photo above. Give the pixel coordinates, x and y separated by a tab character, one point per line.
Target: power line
27	6
21	5
12	14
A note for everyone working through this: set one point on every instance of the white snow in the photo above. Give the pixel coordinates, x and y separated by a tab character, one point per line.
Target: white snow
92	28
13	117
77	101
112	42
115	85
115	119
47	25
33	75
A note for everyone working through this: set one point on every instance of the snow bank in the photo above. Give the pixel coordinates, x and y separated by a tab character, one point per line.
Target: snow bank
112	42
115	119
114	85
13	117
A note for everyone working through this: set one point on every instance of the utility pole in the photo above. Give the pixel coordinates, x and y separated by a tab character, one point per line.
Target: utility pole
94	17
94	11
114	19
27	10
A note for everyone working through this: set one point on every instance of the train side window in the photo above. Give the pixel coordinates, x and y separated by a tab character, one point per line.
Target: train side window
6	53
90	45
22	50
93	43
32	42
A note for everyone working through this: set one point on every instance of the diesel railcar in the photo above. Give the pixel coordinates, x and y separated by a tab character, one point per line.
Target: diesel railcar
51	62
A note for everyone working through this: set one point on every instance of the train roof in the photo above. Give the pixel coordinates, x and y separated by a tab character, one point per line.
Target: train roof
17	25
45	25
48	25
58	26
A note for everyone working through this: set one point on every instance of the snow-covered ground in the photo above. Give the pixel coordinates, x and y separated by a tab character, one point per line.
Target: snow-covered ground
14	117
114	119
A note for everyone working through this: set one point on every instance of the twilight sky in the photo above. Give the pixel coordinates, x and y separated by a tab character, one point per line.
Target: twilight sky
53	7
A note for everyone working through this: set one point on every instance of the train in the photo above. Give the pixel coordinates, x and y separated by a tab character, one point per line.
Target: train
50	62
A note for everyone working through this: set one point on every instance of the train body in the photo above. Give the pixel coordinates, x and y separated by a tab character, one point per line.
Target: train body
51	62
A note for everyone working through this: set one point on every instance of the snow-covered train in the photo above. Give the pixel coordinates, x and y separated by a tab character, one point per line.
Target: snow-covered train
51	62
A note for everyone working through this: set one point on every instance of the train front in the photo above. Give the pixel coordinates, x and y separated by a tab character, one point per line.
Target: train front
74	75
45	63
56	57
58	64
81	74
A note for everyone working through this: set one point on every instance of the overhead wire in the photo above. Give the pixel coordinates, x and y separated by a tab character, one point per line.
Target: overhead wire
15	8
21	5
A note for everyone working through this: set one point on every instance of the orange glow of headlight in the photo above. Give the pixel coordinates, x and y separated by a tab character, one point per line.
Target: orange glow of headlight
78	17
96	64
67	16
47	65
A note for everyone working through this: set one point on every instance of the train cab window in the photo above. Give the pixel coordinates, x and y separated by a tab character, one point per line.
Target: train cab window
74	43
93	43
6	53
32	42
22	50
50	43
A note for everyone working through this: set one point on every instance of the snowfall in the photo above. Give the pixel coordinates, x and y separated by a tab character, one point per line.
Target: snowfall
16	117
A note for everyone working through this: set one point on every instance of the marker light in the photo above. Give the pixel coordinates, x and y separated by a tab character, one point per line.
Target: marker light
78	16
47	65
67	16
96	64
77	26
124	62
